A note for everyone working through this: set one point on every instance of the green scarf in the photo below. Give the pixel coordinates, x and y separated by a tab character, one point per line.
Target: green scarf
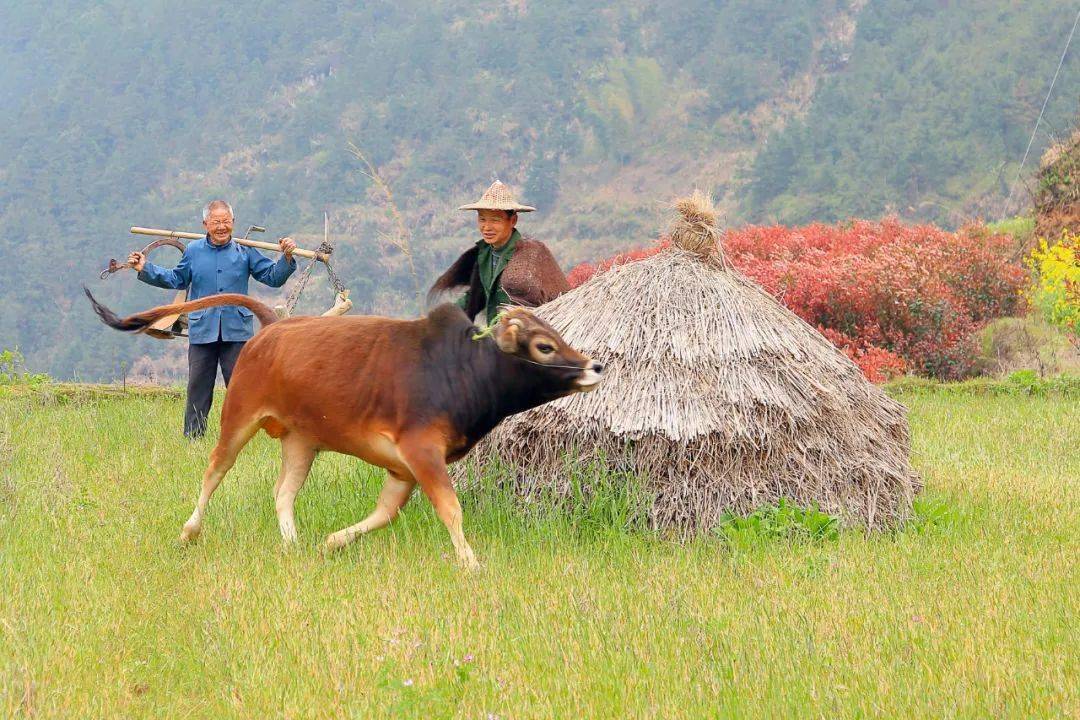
491	263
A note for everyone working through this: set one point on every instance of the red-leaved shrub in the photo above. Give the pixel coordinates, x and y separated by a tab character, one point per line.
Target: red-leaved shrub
893	297
878	364
584	271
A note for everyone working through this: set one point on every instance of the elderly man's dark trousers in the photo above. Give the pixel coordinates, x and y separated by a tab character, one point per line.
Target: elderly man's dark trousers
203	362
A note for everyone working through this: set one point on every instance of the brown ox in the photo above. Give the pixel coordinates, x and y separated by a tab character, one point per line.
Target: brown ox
406	395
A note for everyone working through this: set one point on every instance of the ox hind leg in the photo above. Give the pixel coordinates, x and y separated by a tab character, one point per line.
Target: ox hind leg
427	460
297	455
230	443
395	493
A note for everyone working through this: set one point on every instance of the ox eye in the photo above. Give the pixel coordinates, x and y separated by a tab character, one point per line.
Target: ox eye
545	349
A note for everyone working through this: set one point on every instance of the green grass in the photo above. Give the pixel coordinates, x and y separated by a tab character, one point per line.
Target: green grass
1021	227
970	611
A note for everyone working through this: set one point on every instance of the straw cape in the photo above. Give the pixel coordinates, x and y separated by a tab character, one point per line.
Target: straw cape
715	395
497	197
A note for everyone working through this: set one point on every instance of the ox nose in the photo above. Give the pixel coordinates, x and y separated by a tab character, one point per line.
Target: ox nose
590	376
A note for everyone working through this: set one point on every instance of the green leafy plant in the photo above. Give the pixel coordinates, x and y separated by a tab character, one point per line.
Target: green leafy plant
13	370
785	520
1029	382
931	513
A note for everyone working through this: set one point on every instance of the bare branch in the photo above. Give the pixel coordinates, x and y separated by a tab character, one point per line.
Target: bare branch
403	236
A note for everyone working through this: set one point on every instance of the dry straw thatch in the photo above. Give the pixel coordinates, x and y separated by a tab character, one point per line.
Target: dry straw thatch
716	396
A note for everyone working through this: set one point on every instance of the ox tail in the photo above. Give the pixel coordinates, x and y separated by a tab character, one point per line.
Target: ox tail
458	275
141	322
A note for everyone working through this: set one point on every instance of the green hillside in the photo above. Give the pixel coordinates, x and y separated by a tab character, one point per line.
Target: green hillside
114	114
930	118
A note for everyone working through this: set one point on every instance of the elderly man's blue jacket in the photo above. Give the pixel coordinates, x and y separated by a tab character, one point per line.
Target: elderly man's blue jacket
208	269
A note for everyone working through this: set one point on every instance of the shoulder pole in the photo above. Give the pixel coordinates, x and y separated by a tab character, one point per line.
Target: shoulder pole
300	252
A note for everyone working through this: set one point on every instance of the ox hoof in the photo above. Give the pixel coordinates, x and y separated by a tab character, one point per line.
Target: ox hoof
288	535
335	542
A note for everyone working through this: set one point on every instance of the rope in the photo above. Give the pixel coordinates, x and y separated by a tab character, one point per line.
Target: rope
339	287
298	288
305	275
563	367
1038	121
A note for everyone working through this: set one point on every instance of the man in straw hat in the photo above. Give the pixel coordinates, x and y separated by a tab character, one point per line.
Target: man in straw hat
503	268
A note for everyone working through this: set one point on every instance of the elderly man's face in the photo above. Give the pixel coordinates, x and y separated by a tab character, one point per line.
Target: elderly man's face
495	227
220	225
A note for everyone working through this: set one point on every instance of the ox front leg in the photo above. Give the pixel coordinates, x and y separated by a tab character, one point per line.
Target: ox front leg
428	464
297	455
396	491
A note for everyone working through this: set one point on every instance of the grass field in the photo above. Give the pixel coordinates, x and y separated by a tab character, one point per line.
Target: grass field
970	611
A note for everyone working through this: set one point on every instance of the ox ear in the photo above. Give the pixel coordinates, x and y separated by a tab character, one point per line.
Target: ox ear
506	338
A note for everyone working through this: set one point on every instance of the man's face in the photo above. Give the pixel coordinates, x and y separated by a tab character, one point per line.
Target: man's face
219	225
495	227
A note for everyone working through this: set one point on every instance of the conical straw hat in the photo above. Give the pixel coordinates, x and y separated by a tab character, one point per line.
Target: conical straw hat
497	197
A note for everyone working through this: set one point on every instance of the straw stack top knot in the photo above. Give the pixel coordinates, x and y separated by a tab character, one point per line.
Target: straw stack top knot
694	227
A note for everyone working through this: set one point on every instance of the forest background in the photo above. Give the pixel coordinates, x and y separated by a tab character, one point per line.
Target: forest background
115	114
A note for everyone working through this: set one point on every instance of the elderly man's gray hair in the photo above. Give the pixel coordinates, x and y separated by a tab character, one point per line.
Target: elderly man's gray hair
214	205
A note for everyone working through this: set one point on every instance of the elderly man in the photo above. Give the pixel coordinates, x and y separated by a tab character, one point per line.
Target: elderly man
503	268
211	265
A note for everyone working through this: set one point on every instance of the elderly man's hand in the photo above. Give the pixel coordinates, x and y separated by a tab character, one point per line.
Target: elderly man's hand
287	246
137	260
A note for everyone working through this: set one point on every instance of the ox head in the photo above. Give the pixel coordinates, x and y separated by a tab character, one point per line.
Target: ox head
519	333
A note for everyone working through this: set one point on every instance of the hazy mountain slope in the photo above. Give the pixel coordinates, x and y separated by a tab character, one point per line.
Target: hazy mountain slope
113	114
929	119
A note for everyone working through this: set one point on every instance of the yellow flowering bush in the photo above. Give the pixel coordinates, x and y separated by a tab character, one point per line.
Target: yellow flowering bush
1056	291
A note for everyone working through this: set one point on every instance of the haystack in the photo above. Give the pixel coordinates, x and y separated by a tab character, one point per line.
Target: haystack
716	397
